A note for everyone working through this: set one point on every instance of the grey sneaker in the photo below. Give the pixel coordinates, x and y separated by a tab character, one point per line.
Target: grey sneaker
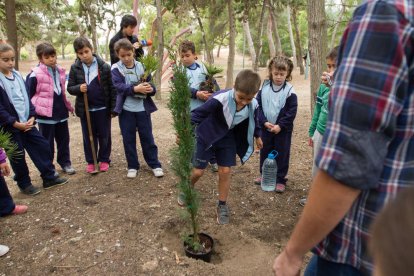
181	199
31	190
214	167
69	169
302	201
223	214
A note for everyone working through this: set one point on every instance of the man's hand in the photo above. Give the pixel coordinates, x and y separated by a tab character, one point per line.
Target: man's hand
5	169
327	203
287	265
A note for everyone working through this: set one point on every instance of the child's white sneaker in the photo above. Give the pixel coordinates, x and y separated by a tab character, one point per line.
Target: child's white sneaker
132	173
3	250
158	172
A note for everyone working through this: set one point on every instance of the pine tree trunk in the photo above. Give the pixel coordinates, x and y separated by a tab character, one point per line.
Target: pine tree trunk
272	48
221	43
232	44
135	13
335	30
107	43
292	41
278	43
92	21
317	44
261	26
210	57
249	39
160	50
299	53
12	28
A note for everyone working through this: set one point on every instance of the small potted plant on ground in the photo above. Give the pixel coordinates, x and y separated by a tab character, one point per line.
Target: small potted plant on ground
197	245
210	83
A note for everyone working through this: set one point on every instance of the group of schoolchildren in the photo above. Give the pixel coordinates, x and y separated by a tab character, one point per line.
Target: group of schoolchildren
227	121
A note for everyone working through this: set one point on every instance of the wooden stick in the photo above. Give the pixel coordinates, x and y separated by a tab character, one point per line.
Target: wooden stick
88	122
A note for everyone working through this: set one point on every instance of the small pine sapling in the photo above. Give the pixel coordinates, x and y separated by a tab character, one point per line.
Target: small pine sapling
150	64
209	83
182	154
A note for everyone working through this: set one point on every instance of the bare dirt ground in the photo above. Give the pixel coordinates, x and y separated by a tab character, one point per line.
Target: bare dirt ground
110	225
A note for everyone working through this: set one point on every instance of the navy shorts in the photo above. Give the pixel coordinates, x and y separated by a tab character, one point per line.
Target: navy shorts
224	150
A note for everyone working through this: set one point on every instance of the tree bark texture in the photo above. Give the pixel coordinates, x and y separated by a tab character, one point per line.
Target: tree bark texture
232	44
160	49
299	53
135	13
210	58
92	20
261	26
249	39
278	43
317	44
12	28
292	41
272	48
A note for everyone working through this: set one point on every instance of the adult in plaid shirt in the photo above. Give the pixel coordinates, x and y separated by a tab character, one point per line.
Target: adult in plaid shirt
367	154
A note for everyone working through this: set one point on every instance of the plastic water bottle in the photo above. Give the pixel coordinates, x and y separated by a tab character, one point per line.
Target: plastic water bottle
269	171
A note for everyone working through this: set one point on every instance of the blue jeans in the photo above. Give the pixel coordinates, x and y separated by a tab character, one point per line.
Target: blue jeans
320	267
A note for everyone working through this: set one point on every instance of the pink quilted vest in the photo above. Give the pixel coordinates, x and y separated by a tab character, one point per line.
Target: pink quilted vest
43	99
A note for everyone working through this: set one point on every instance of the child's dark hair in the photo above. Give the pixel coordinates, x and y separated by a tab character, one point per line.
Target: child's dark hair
281	63
80	43
128	20
333	54
392	236
45	49
187	45
123	44
247	82
5	47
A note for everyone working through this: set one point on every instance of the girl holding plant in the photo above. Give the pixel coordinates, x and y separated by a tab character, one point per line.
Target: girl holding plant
134	106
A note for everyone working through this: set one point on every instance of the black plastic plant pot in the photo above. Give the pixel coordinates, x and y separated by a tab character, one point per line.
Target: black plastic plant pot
207	244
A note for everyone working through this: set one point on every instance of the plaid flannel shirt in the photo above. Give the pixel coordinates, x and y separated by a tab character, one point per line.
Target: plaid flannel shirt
369	139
